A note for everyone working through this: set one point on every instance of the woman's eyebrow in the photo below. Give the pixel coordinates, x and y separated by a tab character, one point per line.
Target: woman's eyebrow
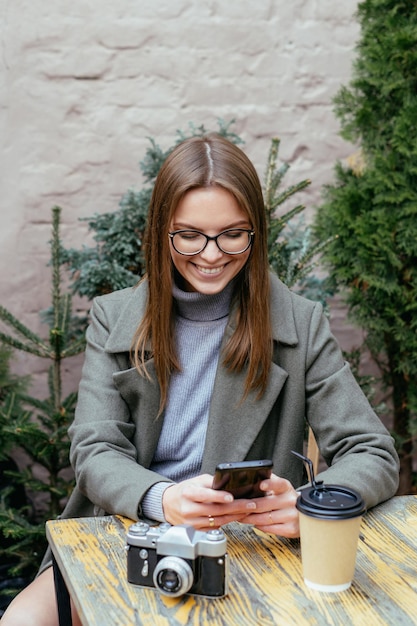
188	226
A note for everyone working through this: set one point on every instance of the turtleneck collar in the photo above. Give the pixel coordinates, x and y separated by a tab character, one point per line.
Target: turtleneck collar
200	307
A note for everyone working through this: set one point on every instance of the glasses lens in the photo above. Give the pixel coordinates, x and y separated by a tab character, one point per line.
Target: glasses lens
188	242
231	241
234	241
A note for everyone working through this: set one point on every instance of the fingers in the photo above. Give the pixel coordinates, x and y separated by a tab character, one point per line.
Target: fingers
216	521
282	522
195	502
276	512
199	490
277	485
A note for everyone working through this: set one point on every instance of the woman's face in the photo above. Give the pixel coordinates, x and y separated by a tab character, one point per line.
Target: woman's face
209	210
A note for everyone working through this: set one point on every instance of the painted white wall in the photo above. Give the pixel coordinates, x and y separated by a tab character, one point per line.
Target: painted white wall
83	84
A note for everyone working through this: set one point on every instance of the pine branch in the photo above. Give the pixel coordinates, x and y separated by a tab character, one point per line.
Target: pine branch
18	345
271	179
22	330
75	348
280	223
290	192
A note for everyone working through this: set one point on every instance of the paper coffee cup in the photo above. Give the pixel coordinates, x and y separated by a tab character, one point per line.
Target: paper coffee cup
330	519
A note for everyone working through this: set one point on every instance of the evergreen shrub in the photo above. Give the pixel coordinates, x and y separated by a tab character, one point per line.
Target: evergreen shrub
371	209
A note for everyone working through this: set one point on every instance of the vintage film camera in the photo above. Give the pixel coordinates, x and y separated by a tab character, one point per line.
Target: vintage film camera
177	559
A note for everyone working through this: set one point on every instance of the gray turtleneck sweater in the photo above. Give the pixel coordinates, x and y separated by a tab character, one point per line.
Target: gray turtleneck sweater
200	324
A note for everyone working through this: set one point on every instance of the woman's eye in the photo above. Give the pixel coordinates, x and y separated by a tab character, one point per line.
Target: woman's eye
233	234
189	236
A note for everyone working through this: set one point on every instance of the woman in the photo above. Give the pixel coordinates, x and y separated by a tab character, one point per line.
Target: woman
210	359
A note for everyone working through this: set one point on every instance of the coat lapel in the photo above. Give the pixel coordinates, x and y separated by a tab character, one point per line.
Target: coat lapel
234	425
141	395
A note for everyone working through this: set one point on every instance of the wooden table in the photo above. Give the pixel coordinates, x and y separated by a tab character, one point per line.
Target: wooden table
265	586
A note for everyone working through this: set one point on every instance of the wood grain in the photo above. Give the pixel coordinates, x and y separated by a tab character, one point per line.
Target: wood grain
265	583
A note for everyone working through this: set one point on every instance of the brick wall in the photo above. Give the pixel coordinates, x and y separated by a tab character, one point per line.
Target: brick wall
83	84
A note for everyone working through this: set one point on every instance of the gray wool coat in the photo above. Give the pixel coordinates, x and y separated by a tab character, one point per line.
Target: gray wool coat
116	429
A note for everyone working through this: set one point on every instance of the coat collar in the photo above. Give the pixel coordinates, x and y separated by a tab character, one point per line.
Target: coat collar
131	309
282	313
133	301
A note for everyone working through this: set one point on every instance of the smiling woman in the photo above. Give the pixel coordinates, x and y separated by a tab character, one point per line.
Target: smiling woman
215	214
207	184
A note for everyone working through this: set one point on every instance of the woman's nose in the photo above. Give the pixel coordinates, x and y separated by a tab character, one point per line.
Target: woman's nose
211	252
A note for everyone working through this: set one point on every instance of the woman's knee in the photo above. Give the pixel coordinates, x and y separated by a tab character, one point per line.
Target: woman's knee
35	605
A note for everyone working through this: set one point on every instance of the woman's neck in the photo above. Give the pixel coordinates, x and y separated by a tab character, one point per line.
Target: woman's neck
200	307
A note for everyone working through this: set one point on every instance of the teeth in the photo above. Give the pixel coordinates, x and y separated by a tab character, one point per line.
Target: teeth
210	270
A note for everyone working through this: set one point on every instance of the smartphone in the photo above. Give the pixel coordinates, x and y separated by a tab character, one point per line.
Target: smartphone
242	479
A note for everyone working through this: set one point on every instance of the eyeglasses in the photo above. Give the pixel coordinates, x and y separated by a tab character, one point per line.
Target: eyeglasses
231	241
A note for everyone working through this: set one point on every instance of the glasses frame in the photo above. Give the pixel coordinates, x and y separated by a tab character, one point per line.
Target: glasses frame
249	231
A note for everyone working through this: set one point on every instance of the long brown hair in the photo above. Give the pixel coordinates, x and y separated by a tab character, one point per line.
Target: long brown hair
206	161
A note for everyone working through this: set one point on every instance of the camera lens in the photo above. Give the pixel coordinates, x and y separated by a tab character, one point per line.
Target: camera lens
169	581
173	576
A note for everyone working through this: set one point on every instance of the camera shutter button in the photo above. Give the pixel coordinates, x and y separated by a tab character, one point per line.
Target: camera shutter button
140	528
215	534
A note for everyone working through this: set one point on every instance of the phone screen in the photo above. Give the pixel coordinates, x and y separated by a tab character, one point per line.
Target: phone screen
242	479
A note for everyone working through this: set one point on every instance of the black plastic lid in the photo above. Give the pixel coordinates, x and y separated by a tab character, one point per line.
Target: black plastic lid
330	502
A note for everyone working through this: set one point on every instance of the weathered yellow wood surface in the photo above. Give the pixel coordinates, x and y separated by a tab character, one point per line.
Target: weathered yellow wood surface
265	585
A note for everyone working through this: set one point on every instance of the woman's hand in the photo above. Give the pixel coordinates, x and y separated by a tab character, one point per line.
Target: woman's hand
194	502
276	512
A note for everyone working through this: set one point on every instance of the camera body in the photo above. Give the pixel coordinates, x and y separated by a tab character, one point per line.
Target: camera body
177	559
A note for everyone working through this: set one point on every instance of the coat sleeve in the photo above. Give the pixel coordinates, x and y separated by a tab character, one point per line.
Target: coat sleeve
354	443
103	453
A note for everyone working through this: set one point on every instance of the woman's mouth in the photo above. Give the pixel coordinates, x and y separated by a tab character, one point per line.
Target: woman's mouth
210	270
